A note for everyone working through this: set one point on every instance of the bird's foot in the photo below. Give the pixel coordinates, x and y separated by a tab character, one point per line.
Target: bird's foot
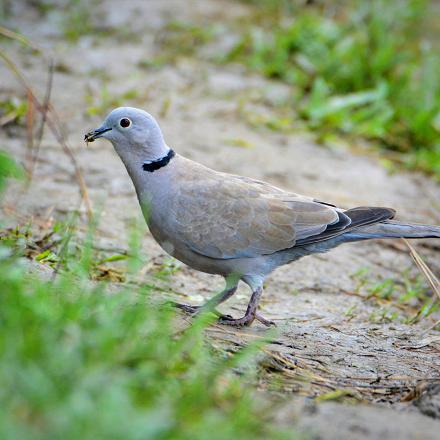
264	321
187	308
245	321
194	310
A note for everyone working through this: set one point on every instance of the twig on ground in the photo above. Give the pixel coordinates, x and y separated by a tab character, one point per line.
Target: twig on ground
30	136
45	109
20	38
427	272
56	128
431	327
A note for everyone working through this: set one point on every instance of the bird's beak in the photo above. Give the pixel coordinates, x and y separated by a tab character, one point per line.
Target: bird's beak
95	134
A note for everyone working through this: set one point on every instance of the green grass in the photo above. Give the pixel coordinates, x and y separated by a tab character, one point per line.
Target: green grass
13	110
182	39
407	299
8	169
361	70
80	361
78	19
100	103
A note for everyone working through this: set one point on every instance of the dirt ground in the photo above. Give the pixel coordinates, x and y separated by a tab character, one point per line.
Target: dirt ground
330	341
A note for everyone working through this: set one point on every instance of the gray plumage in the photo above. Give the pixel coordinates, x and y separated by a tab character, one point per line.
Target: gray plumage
230	225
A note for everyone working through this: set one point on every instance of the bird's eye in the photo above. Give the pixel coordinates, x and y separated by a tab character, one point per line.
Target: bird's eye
125	122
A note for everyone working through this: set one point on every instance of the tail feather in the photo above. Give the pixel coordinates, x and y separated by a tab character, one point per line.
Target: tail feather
394	229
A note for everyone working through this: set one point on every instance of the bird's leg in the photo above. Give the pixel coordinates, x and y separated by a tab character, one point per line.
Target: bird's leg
211	304
250	315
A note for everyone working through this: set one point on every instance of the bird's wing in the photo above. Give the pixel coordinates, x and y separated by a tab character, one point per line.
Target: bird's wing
224	216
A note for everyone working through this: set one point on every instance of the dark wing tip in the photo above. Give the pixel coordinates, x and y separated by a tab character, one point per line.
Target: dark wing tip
352	218
366	215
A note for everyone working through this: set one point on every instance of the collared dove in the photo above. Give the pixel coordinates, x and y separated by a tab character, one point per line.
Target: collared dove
231	225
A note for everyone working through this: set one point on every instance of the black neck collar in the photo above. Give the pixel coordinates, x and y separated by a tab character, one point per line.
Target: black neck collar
154	165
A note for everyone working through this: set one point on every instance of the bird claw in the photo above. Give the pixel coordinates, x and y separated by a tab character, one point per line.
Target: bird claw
264	321
191	310
245	320
240	322
226	319
194	310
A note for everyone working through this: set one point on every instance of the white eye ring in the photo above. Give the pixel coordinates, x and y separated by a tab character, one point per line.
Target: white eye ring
125	123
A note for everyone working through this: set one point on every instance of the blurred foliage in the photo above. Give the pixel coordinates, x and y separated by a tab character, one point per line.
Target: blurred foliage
407	299
99	103
78	19
4	10
84	360
180	39
14	110
8	168
359	69
75	18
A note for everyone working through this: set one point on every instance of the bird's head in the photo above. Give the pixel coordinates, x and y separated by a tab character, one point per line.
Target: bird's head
132	132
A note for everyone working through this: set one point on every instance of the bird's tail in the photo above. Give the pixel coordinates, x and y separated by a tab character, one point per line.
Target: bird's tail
393	229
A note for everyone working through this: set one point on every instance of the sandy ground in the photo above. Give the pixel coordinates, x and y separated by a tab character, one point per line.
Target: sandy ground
328	339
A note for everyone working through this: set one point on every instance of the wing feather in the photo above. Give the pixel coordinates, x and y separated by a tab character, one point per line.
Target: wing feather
226	216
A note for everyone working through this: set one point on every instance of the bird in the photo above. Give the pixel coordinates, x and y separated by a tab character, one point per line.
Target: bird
229	225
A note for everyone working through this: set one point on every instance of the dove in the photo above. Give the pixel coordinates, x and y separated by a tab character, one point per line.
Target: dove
233	226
